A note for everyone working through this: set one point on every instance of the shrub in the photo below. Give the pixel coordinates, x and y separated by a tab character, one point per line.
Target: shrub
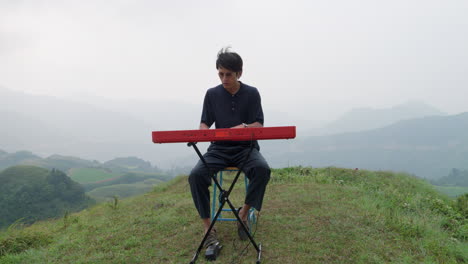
461	205
17	242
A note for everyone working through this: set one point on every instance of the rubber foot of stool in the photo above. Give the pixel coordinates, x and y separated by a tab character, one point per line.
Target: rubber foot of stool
212	251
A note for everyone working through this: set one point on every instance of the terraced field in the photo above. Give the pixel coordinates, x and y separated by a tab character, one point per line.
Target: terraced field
90	175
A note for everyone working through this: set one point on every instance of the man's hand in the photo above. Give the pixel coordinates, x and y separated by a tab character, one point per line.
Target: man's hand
256	124
238	126
204	126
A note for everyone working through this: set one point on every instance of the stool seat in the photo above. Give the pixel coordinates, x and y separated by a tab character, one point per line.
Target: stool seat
230	169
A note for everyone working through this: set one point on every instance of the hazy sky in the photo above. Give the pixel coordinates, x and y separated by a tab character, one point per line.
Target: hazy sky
314	57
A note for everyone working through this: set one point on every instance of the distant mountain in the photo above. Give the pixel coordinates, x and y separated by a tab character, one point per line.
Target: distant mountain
20	157
362	119
428	147
130	164
100	131
20	131
65	163
48	125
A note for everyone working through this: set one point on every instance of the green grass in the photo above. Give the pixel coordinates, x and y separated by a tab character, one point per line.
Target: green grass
310	216
89	175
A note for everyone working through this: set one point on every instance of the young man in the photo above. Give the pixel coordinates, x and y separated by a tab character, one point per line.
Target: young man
232	104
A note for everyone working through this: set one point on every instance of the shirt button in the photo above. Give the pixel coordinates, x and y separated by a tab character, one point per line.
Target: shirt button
233	109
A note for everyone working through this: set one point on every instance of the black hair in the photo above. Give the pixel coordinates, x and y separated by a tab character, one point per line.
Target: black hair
229	60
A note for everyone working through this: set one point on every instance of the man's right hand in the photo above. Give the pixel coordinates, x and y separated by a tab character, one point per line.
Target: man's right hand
204	126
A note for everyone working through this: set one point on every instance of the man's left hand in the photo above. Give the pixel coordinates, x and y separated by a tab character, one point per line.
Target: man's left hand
239	126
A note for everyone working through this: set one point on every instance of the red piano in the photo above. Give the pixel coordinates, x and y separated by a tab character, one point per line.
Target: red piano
224	134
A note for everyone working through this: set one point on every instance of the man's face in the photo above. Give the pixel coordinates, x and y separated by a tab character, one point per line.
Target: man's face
228	78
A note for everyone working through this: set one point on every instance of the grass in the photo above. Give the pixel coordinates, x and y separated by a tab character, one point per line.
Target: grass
310	215
90	175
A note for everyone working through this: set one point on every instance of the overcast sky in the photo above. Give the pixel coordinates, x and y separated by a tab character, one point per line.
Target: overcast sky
319	58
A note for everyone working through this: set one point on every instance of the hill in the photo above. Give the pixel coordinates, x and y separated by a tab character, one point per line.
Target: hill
130	164
32	193
17	158
109	192
124	185
428	147
328	215
455	178
60	162
67	163
454	184
121	177
361	119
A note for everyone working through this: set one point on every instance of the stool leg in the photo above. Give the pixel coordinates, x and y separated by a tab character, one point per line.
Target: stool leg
213	204
220	184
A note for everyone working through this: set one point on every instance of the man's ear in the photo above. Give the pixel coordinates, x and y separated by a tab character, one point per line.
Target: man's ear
239	74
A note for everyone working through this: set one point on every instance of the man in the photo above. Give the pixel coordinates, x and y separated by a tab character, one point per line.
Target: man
232	104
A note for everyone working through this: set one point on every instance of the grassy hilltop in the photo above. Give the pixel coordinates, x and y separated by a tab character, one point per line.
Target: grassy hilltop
327	215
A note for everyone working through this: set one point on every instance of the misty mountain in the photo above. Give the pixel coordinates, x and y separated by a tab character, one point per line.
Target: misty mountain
75	121
103	130
20	131
47	125
361	119
160	115
20	157
65	163
428	147
129	164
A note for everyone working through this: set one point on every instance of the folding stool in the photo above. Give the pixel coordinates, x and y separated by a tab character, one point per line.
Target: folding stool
251	218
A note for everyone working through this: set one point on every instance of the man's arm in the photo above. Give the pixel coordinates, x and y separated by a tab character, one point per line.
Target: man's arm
204	126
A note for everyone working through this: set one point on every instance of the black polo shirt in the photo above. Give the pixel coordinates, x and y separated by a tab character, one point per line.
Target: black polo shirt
226	110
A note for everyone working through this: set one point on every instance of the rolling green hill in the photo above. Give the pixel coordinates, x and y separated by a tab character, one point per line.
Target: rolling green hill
130	175
17	158
103	184
107	193
67	163
327	215
32	193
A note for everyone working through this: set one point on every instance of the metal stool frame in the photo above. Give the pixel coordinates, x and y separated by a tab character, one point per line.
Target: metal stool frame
251	218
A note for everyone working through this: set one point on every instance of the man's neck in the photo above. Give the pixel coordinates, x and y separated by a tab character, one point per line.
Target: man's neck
234	89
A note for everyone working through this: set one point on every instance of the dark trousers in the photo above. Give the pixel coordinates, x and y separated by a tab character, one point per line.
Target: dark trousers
219	157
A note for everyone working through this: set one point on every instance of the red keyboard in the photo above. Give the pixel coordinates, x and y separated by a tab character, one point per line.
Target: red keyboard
224	134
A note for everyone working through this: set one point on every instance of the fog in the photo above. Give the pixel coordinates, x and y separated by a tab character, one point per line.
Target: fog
313	60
